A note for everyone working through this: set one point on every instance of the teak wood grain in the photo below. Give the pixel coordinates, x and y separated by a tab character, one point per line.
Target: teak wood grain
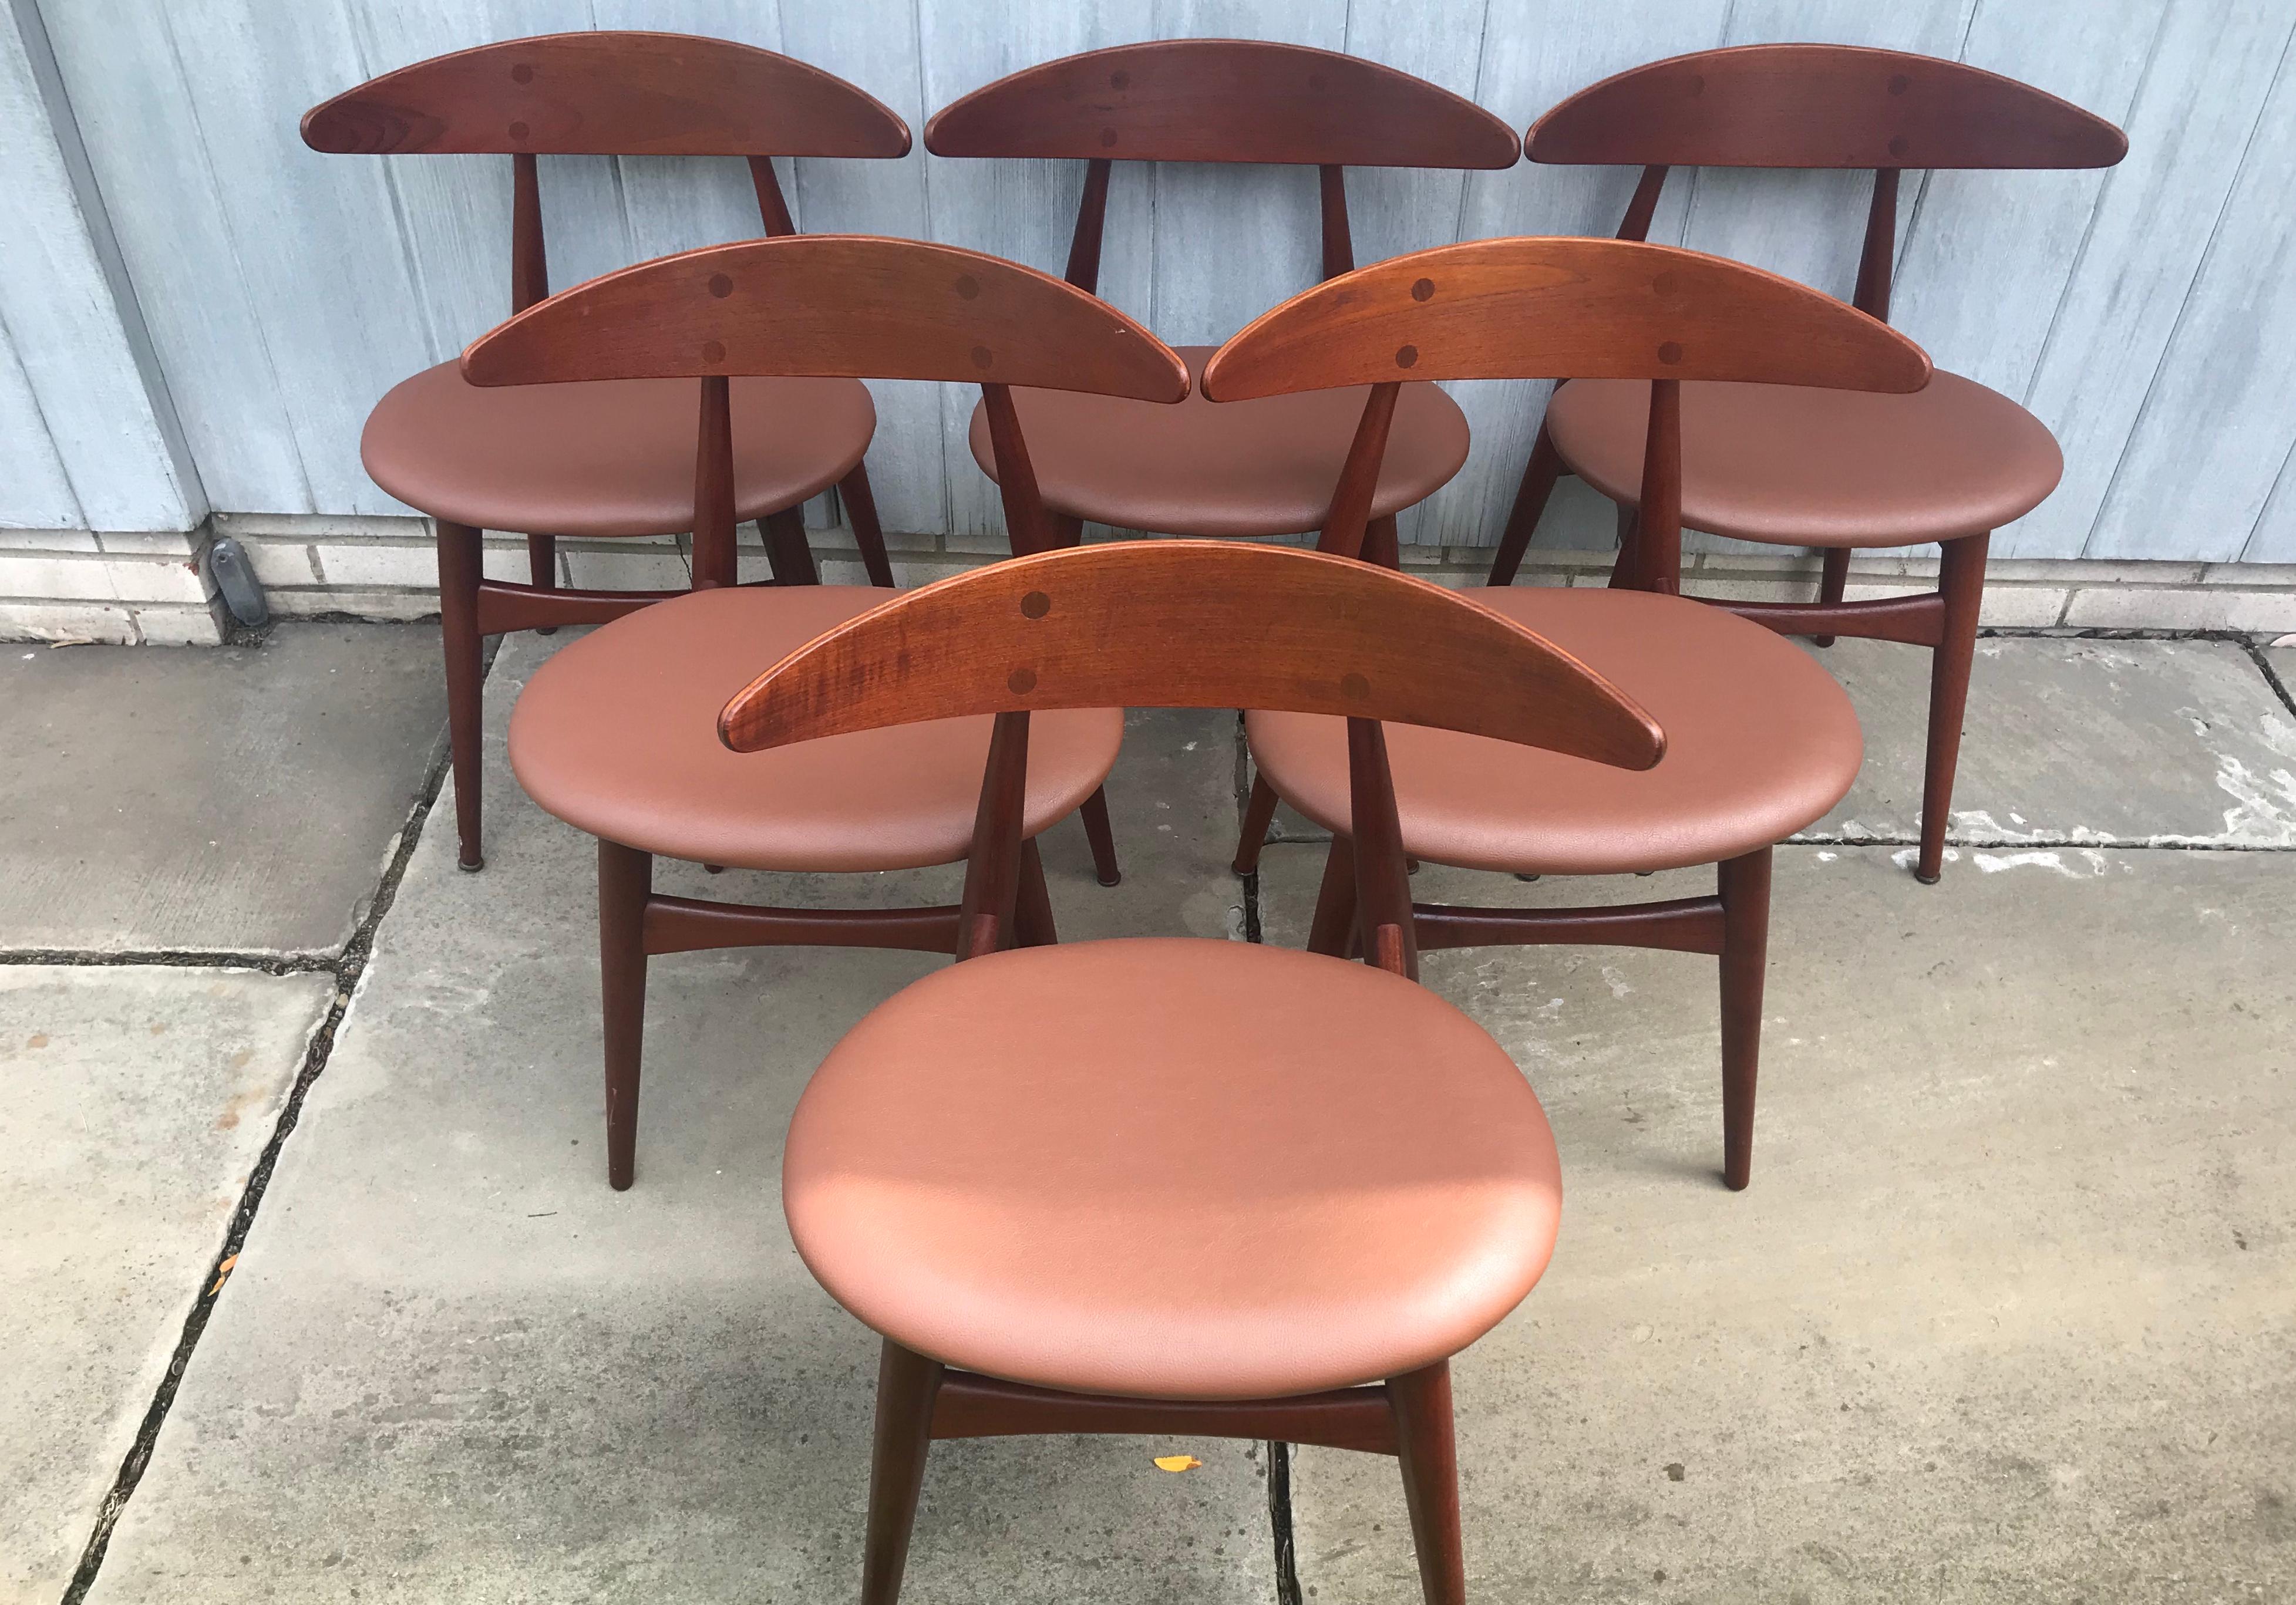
1820	106
608	93
1223	99
847	305
1192	624
1562	308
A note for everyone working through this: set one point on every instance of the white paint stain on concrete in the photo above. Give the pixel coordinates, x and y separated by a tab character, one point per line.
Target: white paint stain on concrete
2092	863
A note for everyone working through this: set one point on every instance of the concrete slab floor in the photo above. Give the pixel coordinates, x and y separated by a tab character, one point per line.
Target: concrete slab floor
135	1103
2009	1311
237	799
2005	1315
2072	741
452	1364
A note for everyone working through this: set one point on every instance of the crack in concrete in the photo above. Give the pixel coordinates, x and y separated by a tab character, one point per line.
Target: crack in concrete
171	958
348	968
2271	674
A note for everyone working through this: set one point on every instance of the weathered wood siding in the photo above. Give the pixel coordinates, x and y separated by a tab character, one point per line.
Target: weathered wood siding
2147	313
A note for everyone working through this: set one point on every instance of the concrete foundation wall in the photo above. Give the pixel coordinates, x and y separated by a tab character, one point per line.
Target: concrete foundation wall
154	588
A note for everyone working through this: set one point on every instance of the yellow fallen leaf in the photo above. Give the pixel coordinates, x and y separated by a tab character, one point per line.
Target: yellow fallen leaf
1178	1462
223	1274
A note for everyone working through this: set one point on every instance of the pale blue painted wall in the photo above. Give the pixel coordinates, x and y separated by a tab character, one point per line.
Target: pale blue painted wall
2147	313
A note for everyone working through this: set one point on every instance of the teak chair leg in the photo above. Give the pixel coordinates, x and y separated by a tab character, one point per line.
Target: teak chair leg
787	551
1068	530
1259	814
1531	499
542	568
1831	581
861	513
1627	568
1032	910
908	1386
1421	1401
625	881
460	557
1333	927
1101	837
1745	896
1961	578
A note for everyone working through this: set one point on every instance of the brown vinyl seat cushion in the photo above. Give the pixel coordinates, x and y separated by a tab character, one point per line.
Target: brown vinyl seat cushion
1172	1168
604	457
1759	742
618	734
1801	467
1237	467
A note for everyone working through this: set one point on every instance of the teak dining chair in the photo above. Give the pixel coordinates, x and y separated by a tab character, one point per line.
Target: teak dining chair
1760	740
617	733
1176	1185
1802	466
1264	469
613	458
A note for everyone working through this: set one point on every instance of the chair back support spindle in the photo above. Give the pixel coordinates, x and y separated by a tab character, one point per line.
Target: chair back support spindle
1220	100
1559	308
1818	106
1192	624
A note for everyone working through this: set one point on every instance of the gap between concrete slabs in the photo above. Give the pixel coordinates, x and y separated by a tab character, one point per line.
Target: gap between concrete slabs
347	967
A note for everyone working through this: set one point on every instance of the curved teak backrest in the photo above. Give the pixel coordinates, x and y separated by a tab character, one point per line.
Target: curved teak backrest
609	94
842	306
853	306
1562	308
1555	308
1192	624
1220	99
1820	106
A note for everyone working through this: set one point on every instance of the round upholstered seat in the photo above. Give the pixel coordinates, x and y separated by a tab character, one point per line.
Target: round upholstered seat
605	457
618	734
1172	1168
1237	467
1801	467
1761	741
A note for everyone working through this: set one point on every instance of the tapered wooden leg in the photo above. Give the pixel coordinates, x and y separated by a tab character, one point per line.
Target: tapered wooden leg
908	1384
861	513
459	568
787	550
1421	1401
1831	581
1096	831
1382	544
1627	568
1531	499
1745	890
1032	910
624	880
1961	578
542	567
1068	530
1334	923
1259	814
